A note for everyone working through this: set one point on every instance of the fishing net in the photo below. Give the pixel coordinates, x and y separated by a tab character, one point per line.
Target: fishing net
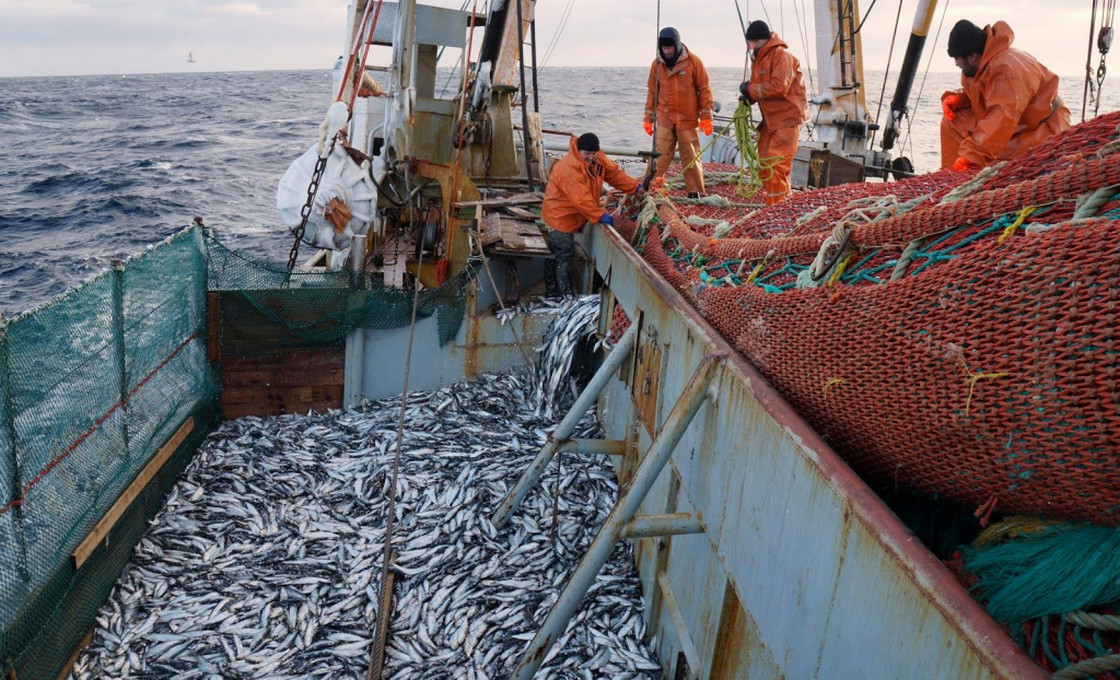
953	337
95	382
91	385
261	301
951	334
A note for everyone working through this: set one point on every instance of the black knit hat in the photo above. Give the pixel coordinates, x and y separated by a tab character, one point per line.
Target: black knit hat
758	30
587	142
966	38
669	37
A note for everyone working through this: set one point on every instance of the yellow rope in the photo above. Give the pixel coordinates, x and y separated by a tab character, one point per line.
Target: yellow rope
753	169
840	270
1022	217
973	378
1013	527
832	382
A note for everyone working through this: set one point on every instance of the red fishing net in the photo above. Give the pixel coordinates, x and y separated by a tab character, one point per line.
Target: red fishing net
961	340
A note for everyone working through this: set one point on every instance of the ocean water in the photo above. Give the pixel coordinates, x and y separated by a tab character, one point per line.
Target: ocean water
97	167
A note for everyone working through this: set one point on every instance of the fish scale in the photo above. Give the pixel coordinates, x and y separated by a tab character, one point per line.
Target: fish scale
276	519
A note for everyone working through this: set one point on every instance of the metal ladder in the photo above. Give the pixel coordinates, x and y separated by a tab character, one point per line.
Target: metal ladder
621	523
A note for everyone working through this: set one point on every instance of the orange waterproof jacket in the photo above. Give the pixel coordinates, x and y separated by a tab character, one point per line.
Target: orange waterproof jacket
574	187
682	95
777	86
1014	98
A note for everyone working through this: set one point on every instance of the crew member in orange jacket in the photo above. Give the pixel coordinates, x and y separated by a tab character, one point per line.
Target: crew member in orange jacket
777	86
572	199
1008	103
681	98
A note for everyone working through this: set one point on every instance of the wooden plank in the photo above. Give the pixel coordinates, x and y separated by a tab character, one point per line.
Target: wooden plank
255	378
522	213
69	665
295	399
213	327
522	235
519	199
326	359
491	228
267	407
101	531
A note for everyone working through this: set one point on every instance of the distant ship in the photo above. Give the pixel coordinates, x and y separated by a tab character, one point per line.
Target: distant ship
190	57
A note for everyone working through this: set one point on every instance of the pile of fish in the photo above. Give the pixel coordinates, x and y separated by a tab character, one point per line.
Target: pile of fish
265	561
544	306
577	319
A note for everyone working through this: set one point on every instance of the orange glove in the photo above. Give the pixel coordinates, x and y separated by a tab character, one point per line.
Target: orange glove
706	126
950	104
962	164
649	128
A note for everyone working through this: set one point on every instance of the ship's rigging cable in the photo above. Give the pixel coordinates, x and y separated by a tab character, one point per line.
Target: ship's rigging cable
556	35
378	656
1104	42
922	86
464	55
887	73
803	34
1089	63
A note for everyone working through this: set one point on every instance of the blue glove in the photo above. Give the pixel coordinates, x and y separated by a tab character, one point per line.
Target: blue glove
607	220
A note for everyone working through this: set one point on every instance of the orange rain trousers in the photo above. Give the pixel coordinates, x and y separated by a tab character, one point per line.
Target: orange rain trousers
777	143
688	140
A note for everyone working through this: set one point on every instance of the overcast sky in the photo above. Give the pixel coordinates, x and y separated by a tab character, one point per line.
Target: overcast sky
80	37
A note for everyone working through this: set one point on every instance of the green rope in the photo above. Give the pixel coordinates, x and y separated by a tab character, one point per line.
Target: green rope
753	170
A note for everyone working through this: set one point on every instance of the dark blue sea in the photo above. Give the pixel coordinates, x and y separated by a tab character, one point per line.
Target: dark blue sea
97	167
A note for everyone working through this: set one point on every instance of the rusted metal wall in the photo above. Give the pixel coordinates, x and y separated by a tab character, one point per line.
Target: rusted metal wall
802	571
483	345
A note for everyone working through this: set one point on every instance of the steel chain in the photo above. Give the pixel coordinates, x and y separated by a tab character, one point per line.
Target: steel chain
305	212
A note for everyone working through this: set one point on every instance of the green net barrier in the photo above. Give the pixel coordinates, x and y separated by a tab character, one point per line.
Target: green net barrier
268	308
92	385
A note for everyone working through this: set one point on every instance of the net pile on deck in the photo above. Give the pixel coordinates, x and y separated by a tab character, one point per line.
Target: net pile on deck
953	334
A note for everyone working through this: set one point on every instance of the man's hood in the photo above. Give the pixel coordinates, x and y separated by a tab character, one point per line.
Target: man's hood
1000	37
773	43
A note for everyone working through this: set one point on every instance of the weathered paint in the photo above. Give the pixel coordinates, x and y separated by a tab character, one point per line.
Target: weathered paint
482	345
803	571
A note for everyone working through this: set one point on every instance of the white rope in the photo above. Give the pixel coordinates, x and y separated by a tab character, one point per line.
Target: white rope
975	184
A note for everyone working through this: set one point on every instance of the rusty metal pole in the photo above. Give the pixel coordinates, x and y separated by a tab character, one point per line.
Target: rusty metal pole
610	447
675	524
693	397
567	426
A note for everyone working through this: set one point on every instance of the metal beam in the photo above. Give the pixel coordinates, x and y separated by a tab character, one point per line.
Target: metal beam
610	447
567	426
677	523
693	397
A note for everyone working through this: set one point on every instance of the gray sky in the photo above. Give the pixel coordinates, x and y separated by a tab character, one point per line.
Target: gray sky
79	37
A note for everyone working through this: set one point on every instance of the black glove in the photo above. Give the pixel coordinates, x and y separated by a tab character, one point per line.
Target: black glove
744	90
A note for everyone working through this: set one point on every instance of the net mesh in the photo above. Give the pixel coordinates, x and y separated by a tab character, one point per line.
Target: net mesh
962	340
92	384
306	309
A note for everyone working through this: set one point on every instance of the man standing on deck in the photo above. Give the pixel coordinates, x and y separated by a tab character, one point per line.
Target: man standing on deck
681	98
571	200
778	88
1008	103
